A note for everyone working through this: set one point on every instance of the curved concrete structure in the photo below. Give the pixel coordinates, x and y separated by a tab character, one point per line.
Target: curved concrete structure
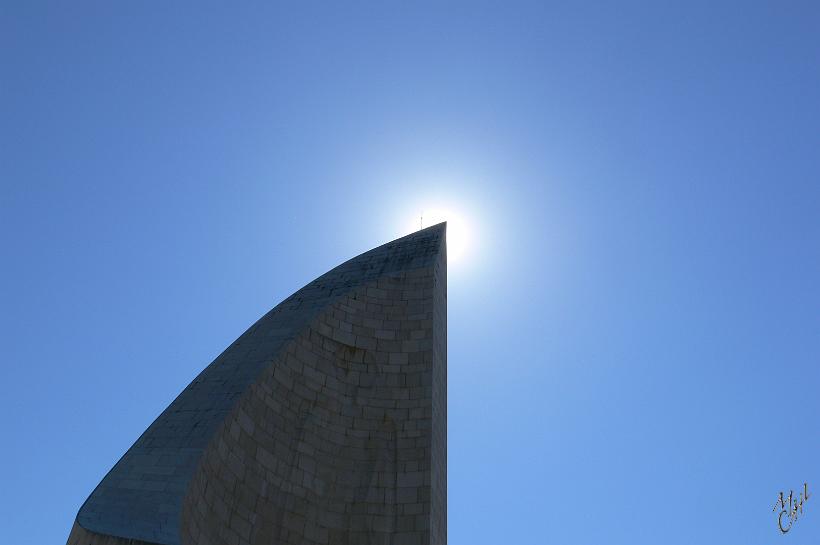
324	423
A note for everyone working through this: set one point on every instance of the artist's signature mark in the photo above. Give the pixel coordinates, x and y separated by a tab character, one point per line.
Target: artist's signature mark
789	511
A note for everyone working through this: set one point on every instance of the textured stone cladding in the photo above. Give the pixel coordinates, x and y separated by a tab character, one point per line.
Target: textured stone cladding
324	423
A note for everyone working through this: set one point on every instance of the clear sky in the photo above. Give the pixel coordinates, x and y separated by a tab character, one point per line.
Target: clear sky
634	347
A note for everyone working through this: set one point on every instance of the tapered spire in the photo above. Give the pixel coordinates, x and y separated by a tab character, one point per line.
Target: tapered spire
325	422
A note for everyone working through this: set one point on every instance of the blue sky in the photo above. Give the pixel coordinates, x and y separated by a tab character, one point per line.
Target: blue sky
633	327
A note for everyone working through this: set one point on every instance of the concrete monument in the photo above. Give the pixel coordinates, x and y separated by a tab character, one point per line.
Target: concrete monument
325	423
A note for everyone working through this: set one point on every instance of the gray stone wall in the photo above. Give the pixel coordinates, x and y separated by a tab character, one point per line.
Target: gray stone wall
438	508
81	536
333	444
325	423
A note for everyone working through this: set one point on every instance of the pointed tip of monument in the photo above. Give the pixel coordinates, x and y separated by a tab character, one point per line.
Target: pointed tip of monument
442	226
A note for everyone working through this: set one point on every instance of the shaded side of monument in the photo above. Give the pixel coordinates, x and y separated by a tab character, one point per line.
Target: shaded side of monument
325	423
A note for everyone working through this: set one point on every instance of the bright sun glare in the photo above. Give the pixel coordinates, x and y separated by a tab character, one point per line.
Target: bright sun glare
458	242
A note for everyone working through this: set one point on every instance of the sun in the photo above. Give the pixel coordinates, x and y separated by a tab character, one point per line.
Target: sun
458	239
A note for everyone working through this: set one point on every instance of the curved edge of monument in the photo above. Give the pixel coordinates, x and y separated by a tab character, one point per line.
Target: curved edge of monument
324	423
